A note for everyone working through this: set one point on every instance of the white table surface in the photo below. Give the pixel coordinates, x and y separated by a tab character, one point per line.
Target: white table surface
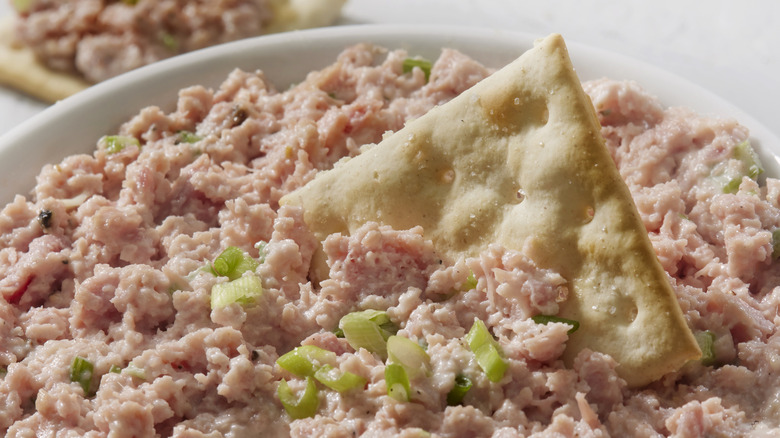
730	47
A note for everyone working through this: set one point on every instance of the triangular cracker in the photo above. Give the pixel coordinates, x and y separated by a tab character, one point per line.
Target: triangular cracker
520	156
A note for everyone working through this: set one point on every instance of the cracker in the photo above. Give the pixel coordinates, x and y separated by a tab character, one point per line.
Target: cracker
21	70
304	14
519	159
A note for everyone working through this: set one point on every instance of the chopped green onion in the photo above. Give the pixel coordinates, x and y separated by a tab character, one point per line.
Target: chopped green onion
303	361
544	319
397	382
337	380
732	186
410	63
470	283
745	153
260	247
490	360
459	390
116	143
776	243
189	137
706	340
363	333
478	335
232	263
130	2
134	371
169	41
486	350
302	407
115	369
244	291
728	178
410	355
380	318
21	6
368	329
81	372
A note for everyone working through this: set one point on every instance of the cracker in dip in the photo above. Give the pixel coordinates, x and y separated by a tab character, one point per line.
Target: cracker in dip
518	160
119	316
51	50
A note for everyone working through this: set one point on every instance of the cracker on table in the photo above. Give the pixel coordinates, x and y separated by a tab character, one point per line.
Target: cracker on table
19	68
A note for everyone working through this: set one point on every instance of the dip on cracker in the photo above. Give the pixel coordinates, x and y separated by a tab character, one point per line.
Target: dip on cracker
52	49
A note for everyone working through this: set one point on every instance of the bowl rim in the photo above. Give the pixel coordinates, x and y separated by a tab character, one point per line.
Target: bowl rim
48	137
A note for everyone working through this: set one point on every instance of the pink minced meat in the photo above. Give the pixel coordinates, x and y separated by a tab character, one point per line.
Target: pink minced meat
100	39
115	274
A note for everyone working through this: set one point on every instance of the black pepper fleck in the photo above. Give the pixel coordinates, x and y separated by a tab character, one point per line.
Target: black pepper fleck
44	218
238	116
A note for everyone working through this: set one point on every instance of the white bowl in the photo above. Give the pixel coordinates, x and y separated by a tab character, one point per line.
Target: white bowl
74	124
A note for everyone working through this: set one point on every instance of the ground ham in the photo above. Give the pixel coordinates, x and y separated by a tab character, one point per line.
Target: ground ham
100	39
115	274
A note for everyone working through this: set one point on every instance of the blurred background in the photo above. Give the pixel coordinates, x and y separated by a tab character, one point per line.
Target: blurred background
730	47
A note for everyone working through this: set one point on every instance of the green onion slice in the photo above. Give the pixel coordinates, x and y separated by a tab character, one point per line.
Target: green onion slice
397	382
81	372
470	283
423	64
189	137
368	329
21	6
745	153
337	380
261	250
116	143
299	407
486	350
706	340
410	355
244	291
545	319
134	371
490	360
169	41
462	386
380	318
728	179
115	369
303	361
732	186
232	263
776	243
